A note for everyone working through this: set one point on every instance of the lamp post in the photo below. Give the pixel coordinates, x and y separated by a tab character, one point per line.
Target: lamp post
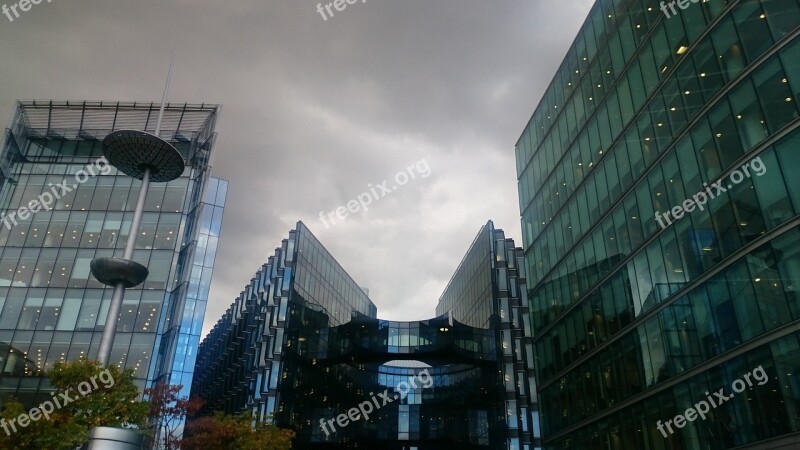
151	159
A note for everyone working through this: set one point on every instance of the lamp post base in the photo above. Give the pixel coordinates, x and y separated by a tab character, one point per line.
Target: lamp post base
107	438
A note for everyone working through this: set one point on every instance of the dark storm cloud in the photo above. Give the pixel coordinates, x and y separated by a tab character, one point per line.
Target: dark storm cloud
316	110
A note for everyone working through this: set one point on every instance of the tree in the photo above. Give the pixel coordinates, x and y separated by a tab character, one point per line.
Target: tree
234	431
87	396
167	414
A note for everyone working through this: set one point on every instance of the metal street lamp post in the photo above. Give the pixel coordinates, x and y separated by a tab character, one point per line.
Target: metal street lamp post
151	159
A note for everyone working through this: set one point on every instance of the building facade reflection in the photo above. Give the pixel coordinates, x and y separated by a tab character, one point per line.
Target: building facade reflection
633	320
303	344
51	308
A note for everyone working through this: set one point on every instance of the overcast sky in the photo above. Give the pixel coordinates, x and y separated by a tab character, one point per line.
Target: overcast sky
315	111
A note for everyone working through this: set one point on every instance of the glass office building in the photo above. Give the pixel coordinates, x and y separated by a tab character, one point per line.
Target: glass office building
79	208
488	291
659	194
302	346
242	359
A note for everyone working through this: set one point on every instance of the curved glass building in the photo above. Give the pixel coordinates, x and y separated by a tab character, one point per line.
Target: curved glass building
659	195
302	347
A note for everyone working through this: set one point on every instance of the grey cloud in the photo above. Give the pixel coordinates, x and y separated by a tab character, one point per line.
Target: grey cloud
315	110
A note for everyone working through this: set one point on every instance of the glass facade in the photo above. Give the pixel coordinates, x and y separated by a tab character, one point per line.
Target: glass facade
243	359
488	291
636	316
302	345
51	308
367	356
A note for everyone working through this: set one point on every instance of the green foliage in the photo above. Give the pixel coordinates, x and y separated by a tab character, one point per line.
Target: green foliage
236	432
87	395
